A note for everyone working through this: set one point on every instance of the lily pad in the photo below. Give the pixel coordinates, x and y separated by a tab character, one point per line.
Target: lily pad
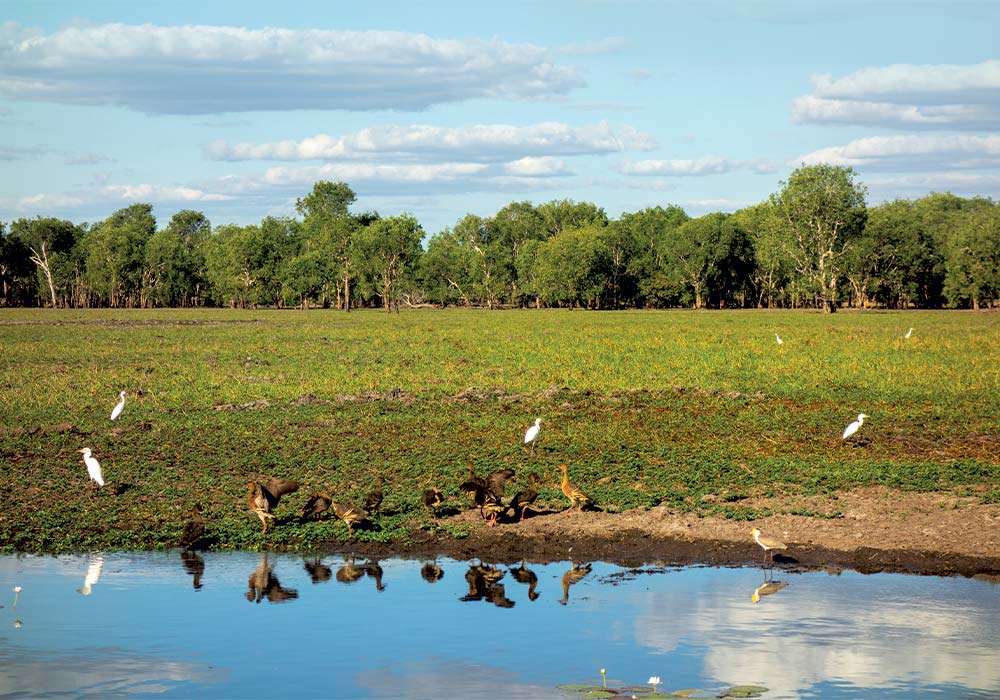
638	689
744	691
685	693
582	690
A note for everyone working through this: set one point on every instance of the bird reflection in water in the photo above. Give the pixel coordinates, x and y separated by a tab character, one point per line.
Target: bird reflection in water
193	565
93	576
484	584
264	584
766	588
431	572
374	570
317	570
349	573
572	575
523	574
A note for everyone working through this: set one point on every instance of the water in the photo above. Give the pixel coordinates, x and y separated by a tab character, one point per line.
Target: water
144	629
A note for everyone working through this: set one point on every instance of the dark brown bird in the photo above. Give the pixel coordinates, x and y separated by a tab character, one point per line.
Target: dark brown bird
318	502
350	515
497	481
431	499
525	575
525	498
475	487
574	574
194	528
373	501
492	508
578	499
263	499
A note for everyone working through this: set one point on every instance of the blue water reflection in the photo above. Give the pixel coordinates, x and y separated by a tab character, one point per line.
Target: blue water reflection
230	625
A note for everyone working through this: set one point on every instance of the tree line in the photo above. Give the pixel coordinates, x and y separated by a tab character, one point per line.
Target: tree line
814	244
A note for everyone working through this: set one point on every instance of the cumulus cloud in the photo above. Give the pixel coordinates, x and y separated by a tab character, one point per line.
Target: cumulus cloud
912	152
909	96
478	142
698	167
199	69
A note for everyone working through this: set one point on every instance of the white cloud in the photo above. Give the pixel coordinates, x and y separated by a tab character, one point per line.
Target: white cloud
537	167
909	152
904	95
708	165
915	186
177	193
198	69
478	142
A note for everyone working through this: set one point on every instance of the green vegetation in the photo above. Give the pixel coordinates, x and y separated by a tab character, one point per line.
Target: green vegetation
694	410
813	244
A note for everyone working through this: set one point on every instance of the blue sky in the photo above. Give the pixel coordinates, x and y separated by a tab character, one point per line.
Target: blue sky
442	109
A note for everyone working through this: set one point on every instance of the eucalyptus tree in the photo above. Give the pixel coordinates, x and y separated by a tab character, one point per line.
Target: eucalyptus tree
18	282
771	270
823	210
49	245
386	253
972	257
115	255
571	267
445	271
329	228
243	263
506	233
174	260
711	257
645	230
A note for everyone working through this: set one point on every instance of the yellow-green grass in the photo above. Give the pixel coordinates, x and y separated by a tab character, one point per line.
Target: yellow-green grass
646	407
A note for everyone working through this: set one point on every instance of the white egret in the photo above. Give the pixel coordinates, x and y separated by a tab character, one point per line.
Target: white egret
93	466
853	427
92	577
119	407
531	434
908	333
778	338
768	543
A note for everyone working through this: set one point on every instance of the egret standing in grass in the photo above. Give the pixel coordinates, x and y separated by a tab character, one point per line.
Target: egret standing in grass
531	434
778	338
119	407
769	544
93	466
853	427
908	333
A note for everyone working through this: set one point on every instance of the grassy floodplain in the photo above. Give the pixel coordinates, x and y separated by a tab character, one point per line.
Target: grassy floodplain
645	407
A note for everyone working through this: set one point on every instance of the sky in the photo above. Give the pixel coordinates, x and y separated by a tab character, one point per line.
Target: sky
443	109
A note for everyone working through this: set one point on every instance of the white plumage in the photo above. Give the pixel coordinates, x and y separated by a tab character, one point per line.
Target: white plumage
119	407
531	434
778	338
908	333
93	466
853	427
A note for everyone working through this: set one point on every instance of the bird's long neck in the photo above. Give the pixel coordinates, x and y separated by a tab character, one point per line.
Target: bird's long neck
565	479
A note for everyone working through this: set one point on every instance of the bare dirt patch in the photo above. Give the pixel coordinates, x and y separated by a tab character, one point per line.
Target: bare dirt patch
880	530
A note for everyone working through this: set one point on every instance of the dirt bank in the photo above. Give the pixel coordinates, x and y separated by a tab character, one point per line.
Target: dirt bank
879	530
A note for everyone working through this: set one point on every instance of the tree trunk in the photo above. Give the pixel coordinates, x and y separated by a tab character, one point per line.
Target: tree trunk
43	263
347	293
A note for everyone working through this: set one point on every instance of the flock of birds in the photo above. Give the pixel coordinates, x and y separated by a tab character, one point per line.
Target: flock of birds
485	493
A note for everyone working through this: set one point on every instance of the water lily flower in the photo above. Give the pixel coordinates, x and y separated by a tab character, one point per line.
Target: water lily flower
604	676
17	592
654	681
18	624
17	589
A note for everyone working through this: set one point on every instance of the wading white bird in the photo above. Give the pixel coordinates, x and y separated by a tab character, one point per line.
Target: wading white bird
768	543
531	434
908	333
853	427
119	407
93	466
778	338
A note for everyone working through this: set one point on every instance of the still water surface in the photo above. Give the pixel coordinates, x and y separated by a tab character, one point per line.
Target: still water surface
234	625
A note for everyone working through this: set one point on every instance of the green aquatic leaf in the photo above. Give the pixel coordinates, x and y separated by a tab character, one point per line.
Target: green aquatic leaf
744	691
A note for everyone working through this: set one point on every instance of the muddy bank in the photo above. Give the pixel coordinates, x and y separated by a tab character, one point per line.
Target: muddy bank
877	530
